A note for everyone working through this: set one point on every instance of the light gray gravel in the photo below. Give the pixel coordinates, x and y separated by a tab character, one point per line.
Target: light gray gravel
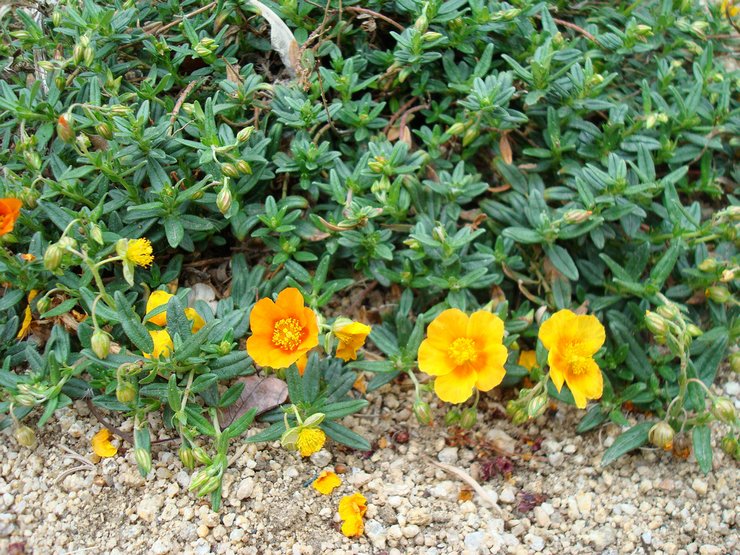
645	503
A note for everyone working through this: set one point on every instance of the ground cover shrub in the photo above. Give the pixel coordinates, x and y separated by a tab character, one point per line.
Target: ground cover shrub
542	192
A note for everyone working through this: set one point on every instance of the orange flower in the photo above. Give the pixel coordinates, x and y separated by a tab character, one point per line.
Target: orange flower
351	336
101	444
282	331
527	359
573	340
10	209
163	344
326	482
463	352
351	510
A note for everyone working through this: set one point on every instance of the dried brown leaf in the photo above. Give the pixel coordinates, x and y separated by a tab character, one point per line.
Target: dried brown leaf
261	393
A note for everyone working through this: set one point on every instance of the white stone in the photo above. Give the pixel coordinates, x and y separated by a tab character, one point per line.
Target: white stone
321	458
448	455
699	486
376	533
245	489
508	495
148	507
541	516
161	547
475	541
535	542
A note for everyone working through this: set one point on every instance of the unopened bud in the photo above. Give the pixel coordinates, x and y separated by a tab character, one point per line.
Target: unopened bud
43	304
100	344
78	54
729	275
430	36
25	436
289	439
718	294
125	391
643	30
422	23
655	323
119	110
456	128
64	128
224	348
243	167
25	400
377	164
537	406
724	410
694	330
469	418
470	135
104	130
661	435
577	216
56	18
53	257
669	311
423	412
96	234
229	170
735	362
244	134
729	445
186	457
198	479
708	265
452	417
201	456
143	460
223	200
88	56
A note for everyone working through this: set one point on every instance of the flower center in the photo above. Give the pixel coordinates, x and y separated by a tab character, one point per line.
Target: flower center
577	363
287	334
462	350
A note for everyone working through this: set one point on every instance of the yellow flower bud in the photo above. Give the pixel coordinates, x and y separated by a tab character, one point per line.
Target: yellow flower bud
144	460
718	294
452	417
655	323
125	392
53	257
537	406
577	216
244	134
244	167
186	457
229	170
64	128
708	265
669	311
729	445
201	456
456	128
735	362
661	435
724	410
224	200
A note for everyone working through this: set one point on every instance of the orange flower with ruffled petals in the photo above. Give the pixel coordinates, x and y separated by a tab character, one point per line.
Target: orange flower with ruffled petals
327	482
282	331
351	510
463	352
10	209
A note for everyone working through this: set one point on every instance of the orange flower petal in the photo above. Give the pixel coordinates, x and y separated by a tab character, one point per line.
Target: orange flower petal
155	300
553	329
492	372
590	333
433	360
326	482
586	385
457	386
448	326
263	316
485	327
290	299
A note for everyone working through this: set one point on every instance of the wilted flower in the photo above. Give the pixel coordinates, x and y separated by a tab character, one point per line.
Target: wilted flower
351	510
101	444
326	482
282	331
463	353
573	340
351	336
310	440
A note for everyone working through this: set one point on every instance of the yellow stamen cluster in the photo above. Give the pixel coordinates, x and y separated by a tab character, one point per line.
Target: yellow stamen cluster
287	334
139	251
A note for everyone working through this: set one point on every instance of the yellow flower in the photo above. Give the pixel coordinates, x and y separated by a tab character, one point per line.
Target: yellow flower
159	298
573	340
351	336
27	316
282	331
310	440
101	444
351	510
728	7
527	359
464	353
163	344
139	251
326	482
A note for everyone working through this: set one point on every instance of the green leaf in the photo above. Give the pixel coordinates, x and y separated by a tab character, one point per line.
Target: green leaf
523	235
132	325
269	434
635	437
11	298
702	439
593	418
345	436
203	382
562	261
343	408
240	425
61	308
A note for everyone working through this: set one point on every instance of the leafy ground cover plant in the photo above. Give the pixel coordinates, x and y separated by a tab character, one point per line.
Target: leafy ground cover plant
483	164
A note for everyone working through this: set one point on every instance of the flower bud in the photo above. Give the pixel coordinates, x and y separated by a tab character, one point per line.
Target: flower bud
210	485
224	348
421	23
661	435
430	36
735	362
456	128
64	128
423	412
43	304
314	420
53	257
100	344
694	330
452	417
708	265
377	164
470	135
243	167
244	134
724	410
577	216
186	457
289	439
729	445
201	456
469	418
32	158
729	275
229	170
223	200
669	311
520	417
25	436
198	479
655	323
125	392
56	18
25	400
88	56
144	460
537	406
104	130
96	234
119	110
78	53
718	294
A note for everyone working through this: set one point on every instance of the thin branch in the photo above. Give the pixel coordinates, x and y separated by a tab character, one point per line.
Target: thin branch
465	477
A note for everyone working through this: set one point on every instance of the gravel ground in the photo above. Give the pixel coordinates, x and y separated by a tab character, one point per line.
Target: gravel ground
555	499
